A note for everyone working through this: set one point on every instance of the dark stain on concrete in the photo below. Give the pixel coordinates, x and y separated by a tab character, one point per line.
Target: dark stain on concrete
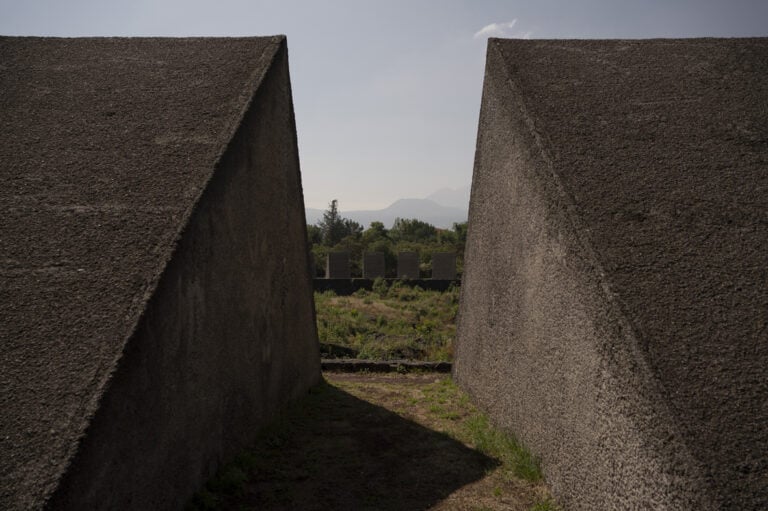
157	306
613	307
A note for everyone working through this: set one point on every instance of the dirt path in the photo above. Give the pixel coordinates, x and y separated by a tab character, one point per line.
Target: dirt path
373	442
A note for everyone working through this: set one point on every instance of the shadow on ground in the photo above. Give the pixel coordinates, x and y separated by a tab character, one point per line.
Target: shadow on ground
335	451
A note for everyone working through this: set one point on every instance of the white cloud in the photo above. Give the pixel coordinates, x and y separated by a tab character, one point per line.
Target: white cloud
495	29
503	30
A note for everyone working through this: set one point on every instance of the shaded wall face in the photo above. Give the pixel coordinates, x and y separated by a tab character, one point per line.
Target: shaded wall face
664	144
228	337
540	348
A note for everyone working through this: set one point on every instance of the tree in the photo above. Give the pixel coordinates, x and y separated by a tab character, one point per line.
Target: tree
332	225
352	228
375	232
314	234
446	237
460	228
412	230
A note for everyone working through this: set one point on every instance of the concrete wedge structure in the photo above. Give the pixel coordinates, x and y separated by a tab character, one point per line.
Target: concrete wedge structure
614	303
156	302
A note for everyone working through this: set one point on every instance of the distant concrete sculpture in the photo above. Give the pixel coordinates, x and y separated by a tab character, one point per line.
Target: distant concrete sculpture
373	265
614	297
337	265
408	265
156	306
444	266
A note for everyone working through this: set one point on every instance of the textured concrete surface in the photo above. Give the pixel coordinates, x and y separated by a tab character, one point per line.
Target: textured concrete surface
373	265
337	265
408	265
156	301
444	266
614	308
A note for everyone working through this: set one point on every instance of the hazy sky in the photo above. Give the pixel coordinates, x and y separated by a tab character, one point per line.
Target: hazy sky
386	93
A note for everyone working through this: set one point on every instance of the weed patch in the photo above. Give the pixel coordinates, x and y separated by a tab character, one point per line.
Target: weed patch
546	505
388	323
444	400
504	447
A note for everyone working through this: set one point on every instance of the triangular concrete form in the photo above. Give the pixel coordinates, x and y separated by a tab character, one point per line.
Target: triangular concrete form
156	301
614	307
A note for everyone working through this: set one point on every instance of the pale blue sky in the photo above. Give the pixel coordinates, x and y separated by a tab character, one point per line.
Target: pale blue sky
386	93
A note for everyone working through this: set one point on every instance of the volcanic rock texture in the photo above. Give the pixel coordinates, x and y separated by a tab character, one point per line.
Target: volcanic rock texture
156	303
614	308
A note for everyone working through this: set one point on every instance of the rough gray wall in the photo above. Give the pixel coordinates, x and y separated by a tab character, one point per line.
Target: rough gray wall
444	265
373	265
223	334
337	265
408	265
613	302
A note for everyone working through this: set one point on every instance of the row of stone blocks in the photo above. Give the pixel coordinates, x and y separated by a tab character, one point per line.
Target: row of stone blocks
443	265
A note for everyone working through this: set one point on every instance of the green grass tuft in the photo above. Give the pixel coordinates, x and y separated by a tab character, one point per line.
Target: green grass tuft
446	401
545	505
504	447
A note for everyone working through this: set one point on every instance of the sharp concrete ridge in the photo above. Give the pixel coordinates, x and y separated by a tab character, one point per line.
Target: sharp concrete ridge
613	307
156	301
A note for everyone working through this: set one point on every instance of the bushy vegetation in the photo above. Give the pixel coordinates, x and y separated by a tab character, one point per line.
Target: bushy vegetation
396	321
335	233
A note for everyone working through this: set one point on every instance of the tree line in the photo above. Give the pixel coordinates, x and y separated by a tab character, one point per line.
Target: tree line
334	233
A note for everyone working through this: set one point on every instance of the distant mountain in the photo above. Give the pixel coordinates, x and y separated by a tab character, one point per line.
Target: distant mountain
425	210
452	197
